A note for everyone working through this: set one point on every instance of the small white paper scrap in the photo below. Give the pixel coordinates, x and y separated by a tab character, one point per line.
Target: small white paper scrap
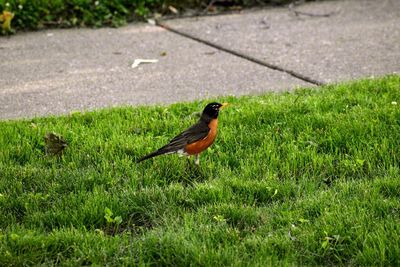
151	21
139	61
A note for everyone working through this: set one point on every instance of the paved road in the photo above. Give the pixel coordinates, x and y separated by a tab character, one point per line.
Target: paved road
59	71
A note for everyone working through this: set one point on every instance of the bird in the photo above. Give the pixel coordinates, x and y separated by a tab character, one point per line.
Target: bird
196	138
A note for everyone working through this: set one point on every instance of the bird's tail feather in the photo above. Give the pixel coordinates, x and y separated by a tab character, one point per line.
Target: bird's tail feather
151	155
161	151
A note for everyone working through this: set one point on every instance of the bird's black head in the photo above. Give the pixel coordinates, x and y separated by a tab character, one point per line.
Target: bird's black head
211	110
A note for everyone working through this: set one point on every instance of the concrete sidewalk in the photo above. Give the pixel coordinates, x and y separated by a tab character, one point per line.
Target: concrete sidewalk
358	38
58	71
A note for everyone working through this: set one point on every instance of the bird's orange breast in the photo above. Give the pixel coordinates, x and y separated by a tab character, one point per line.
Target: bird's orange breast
201	145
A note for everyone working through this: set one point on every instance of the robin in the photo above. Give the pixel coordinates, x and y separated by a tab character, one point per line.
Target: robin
195	139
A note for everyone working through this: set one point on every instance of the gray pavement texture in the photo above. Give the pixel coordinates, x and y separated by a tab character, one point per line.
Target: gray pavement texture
361	38
59	71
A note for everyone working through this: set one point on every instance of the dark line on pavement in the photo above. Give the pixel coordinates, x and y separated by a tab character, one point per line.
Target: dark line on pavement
241	55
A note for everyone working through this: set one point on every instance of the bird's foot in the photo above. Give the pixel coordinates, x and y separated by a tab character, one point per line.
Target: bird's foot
197	160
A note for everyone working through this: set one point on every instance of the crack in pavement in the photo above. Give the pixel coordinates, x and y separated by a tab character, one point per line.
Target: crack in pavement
241	55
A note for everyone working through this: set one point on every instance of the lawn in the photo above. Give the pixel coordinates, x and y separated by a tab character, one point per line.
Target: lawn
310	177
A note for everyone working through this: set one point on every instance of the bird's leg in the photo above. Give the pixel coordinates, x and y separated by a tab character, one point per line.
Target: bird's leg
197	159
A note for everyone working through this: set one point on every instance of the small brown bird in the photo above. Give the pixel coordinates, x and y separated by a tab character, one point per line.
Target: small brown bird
55	144
195	139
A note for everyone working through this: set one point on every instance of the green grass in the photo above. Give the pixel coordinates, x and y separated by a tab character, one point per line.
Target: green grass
304	178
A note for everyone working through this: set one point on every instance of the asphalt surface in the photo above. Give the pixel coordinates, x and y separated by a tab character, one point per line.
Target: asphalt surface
59	71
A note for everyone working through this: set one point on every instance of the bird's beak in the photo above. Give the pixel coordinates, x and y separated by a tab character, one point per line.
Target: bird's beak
223	105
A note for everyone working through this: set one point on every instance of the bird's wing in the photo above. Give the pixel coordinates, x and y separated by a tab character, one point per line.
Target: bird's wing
196	132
